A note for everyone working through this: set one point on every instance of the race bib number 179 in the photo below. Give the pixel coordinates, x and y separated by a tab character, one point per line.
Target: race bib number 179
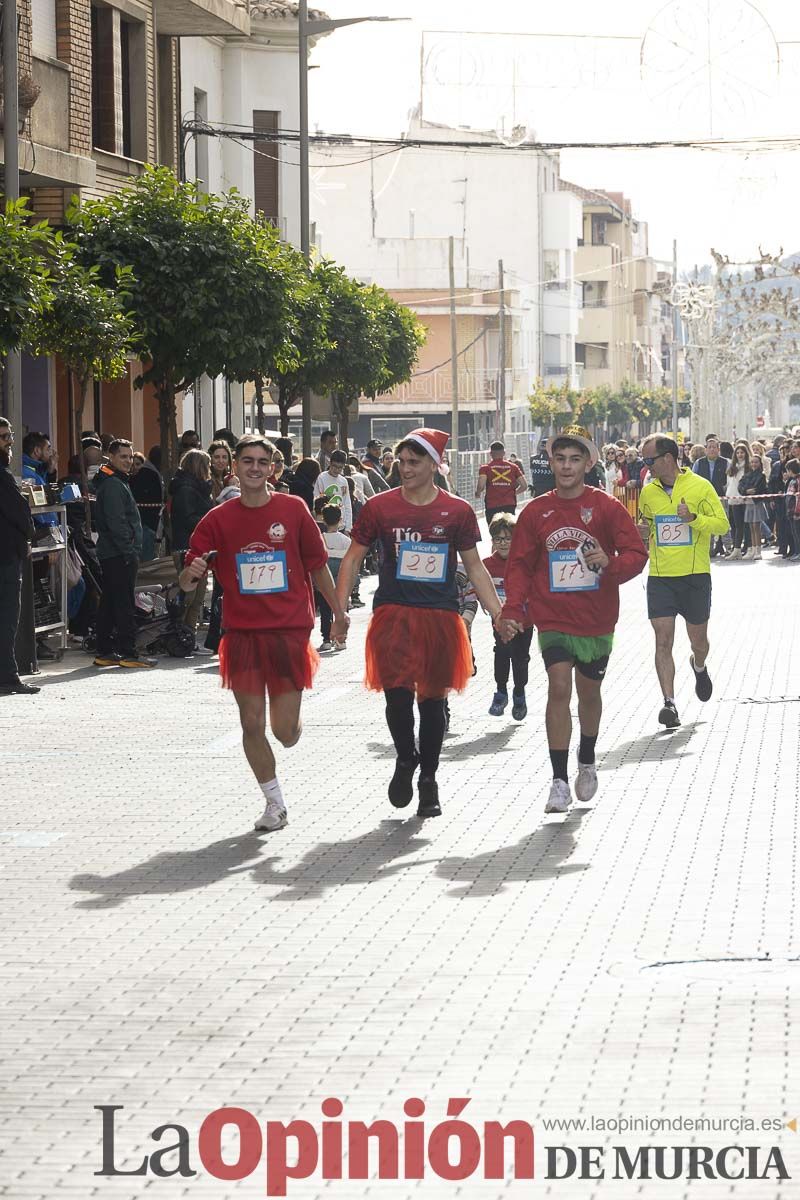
262	574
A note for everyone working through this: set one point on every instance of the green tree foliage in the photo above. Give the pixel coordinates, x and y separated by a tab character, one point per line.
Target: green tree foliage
551	406
405	338
25	286
309	317
208	293
357	359
87	325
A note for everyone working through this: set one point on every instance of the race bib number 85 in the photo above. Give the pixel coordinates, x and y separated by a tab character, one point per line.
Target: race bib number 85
672	531
422	562
262	574
568	574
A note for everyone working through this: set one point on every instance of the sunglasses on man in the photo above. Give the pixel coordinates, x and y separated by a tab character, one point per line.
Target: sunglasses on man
648	461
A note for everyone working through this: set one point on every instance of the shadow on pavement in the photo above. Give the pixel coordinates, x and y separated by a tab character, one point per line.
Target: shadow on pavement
456	742
653	747
540	856
366	859
170	873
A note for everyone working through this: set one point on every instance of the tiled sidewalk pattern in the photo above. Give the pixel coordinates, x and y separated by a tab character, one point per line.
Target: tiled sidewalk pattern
160	956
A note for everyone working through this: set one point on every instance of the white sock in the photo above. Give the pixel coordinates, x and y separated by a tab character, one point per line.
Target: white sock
272	791
697	669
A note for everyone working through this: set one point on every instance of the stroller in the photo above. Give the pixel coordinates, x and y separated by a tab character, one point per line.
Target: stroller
159	612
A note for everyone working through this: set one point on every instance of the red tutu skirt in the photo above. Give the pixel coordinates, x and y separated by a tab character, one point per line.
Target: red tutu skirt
267	660
425	650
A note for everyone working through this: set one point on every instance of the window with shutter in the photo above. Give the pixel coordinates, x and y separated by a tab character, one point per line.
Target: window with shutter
266	166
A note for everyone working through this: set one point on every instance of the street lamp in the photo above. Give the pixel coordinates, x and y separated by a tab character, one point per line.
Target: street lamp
309	29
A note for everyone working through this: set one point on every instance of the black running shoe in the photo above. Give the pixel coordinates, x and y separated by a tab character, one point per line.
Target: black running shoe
401	789
669	715
703	686
428	798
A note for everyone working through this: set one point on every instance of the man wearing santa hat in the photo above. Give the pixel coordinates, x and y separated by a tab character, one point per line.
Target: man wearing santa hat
416	644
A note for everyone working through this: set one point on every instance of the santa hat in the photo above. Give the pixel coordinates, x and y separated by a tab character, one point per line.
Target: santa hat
432	441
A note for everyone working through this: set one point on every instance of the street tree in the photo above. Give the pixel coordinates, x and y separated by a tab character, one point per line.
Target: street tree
405	337
88	326
356	362
309	311
202	298
25	286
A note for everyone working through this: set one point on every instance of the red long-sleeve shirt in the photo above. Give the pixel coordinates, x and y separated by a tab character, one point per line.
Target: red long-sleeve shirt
538	565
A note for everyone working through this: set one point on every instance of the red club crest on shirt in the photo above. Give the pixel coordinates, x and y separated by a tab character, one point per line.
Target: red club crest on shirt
586	515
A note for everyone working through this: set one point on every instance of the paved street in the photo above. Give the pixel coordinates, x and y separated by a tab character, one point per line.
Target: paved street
160	956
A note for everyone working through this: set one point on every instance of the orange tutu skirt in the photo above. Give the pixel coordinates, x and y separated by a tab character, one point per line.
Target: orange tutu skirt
425	650
267	660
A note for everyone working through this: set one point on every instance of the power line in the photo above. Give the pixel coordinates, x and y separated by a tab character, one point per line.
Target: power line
338	140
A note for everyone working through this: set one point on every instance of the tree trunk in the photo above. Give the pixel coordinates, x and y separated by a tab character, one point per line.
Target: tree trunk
168	428
77	419
284	404
344	423
259	386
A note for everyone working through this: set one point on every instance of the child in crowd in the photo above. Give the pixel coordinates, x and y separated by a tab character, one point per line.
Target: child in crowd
337	544
514	656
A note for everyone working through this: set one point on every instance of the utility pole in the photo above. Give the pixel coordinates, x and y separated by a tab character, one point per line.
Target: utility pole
675	330
12	368
501	357
305	208
454	363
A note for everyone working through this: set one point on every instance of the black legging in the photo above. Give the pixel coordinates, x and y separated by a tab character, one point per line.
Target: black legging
514	655
400	719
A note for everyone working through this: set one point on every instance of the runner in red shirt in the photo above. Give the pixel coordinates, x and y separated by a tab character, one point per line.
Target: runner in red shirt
572	548
417	643
501	481
265	549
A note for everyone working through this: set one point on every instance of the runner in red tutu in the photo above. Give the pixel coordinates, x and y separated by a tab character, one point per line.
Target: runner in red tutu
265	549
417	644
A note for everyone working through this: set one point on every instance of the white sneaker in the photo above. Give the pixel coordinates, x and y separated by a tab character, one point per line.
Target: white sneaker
204	651
748	554
339	646
325	646
274	817
559	799
586	783
735	553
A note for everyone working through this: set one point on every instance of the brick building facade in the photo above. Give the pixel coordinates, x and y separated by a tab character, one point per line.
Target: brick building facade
109	103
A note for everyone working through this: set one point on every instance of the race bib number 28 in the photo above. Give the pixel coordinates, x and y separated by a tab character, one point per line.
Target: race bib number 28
422	562
262	574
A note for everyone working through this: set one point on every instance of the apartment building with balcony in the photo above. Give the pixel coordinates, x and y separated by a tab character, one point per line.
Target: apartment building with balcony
389	220
108	75
620	335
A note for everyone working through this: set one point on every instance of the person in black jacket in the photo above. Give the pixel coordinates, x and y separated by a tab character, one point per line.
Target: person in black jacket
714	468
304	476
753	484
16	534
190	495
147	487
119	544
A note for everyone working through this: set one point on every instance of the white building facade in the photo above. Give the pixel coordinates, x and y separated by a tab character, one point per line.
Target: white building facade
388	218
240	85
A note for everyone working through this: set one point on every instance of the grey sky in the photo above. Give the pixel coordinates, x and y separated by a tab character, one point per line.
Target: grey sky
646	79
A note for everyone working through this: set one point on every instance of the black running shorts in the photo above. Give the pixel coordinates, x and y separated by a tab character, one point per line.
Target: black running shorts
596	669
687	596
